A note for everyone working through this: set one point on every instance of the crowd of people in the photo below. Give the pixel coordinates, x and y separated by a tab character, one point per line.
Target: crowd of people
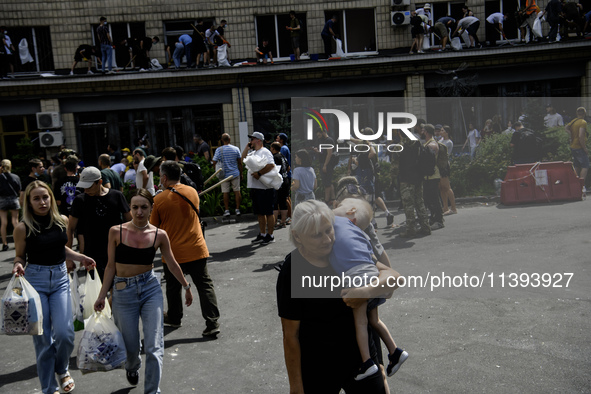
118	238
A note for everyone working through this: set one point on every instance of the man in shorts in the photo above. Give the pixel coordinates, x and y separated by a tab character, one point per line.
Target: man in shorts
261	195
577	129
231	160
294	29
441	29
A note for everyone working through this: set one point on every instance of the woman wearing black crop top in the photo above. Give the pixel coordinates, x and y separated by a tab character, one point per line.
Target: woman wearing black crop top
136	291
41	238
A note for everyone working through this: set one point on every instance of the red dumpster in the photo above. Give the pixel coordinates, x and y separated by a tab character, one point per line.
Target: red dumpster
541	182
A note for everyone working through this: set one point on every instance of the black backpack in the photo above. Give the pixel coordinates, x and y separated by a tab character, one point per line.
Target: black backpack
193	171
426	161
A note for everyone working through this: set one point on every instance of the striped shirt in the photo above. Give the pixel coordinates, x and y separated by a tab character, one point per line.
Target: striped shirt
228	155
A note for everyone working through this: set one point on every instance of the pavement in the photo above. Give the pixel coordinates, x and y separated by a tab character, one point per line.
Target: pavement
491	338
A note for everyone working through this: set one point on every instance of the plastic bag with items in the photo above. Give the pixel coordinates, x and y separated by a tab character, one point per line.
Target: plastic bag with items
77	306
21	309
101	347
92	288
271	179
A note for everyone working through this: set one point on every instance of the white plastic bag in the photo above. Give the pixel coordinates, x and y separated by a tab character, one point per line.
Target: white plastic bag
23	51
155	65
223	56
254	163
466	37
537	28
101	346
340	52
427	42
272	178
21	309
92	291
77	308
456	44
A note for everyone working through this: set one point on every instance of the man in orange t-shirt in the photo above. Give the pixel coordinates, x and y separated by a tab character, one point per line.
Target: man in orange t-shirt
173	213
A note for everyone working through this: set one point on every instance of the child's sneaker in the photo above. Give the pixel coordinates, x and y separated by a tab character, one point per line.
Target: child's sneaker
396	361
368	368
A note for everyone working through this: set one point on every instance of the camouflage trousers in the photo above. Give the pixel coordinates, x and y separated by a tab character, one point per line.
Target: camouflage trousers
412	200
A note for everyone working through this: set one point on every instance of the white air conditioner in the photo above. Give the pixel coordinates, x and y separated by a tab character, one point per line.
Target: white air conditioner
400	18
51	138
48	120
400	3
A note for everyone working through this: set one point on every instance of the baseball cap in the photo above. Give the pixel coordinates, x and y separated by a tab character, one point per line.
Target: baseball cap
283	136
88	177
427	6
143	152
257	135
438	126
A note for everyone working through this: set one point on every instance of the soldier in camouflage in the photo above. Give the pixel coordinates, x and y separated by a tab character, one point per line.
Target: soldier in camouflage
411	189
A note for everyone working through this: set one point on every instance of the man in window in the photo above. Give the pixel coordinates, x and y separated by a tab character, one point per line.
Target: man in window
328	34
106	45
295	29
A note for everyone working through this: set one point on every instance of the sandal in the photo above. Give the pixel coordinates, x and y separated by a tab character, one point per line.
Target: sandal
67	382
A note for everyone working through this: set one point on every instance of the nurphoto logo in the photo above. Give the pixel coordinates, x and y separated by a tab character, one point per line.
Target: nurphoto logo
392	122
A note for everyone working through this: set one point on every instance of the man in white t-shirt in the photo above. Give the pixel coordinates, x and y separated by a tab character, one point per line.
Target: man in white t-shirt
474	138
552	119
261	195
143	178
494	26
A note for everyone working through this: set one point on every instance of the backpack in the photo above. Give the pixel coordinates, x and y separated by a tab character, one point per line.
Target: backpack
193	171
426	161
442	158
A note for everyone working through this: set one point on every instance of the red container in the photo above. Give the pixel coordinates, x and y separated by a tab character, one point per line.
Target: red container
556	181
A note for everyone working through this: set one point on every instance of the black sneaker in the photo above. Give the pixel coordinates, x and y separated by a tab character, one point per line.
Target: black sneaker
396	361
389	219
260	238
169	323
211	332
368	368
4	248
133	377
268	239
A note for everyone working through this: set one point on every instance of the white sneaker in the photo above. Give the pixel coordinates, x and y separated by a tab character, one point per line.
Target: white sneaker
226	213
111	72
90	72
143	70
238	212
71	72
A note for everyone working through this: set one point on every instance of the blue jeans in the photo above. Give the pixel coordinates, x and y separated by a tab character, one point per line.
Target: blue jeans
54	347
107	56
135	297
177	55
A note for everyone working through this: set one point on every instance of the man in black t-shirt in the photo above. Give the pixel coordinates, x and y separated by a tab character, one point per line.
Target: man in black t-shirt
264	51
84	53
65	188
93	213
327	161
36	169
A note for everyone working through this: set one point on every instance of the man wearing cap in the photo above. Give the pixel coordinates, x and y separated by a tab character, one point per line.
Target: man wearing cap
231	160
261	195
93	213
143	178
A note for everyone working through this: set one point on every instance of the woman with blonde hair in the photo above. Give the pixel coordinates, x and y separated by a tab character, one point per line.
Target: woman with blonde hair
40	241
10	188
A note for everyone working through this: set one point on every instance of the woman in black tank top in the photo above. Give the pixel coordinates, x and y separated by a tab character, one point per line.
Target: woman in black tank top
41	239
136	289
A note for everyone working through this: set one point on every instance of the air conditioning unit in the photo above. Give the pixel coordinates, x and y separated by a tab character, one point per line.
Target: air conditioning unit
400	3
51	138
48	120
400	18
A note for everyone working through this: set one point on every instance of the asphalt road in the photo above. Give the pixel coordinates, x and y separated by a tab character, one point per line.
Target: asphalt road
491	338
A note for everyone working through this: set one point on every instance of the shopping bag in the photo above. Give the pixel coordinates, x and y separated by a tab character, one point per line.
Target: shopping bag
537	28
23	52
101	347
77	307
456	44
219	165
21	309
92	291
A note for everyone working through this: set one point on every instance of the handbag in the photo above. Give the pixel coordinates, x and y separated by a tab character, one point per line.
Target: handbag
219	166
21	310
77	307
